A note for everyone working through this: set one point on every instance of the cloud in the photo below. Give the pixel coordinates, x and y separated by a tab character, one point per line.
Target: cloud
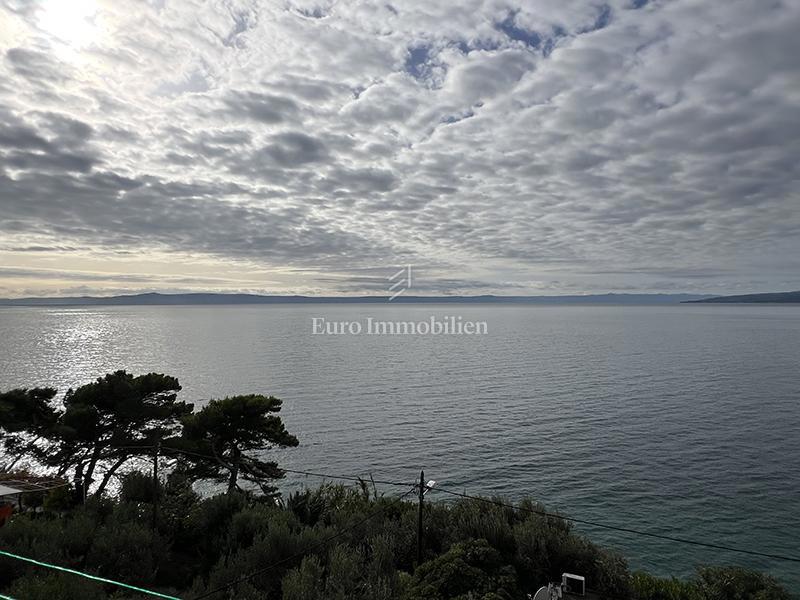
266	108
613	145
46	142
293	149
35	66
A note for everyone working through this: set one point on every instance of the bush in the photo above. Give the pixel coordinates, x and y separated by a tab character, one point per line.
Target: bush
138	487
48	586
468	570
736	583
334	543
648	587
305	582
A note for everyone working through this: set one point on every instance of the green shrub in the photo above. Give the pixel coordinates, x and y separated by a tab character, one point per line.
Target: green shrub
60	499
345	573
647	587
306	582
335	543
138	487
468	570
61	586
736	583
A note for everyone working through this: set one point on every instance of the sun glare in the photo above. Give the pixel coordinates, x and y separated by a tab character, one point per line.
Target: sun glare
69	22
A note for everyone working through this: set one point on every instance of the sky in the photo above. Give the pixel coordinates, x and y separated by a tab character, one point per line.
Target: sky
317	146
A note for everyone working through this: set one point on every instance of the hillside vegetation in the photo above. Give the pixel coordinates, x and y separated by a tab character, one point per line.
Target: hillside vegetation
113	519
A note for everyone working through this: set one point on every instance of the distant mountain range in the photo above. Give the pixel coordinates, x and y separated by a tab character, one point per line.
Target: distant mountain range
156	299
771	298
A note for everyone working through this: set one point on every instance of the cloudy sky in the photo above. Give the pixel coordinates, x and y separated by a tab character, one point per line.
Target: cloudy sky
315	146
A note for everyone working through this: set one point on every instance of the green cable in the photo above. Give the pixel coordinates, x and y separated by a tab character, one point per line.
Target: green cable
94	577
2	597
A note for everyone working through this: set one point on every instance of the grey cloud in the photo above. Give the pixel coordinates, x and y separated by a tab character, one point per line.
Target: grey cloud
34	65
21	137
119	134
293	149
361	180
215	144
55	161
67	129
266	108
56	143
647	143
176	158
140	278
422	286
317	89
40	249
113	212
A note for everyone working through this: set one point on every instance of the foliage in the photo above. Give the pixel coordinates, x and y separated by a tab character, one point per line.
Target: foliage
648	587
306	582
47	586
26	410
98	427
222	436
108	422
60	499
331	543
102	426
736	583
351	547
710	583
26	415
468	570
138	487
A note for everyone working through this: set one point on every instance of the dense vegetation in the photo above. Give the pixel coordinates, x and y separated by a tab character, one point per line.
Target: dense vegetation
329	543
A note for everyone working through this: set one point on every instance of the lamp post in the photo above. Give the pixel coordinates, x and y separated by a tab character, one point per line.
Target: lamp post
423	489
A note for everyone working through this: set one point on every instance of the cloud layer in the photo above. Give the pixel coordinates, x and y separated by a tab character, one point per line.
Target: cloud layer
313	146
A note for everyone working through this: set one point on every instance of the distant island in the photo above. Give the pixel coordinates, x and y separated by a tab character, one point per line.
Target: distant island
157	299
771	298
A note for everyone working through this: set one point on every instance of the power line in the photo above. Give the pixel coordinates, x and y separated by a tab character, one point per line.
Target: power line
295	471
86	575
618	528
541	513
584	521
305	551
347	478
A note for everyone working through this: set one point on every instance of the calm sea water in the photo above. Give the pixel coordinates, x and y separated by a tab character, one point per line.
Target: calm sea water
680	420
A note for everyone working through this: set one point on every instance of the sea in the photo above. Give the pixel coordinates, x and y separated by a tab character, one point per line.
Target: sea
679	420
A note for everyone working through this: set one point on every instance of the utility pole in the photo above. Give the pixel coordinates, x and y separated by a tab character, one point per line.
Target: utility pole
155	484
419	519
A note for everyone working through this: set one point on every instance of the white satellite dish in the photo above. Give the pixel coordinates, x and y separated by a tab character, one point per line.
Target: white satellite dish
547	593
542	594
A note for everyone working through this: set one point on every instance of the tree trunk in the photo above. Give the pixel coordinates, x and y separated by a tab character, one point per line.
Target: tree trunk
87	478
109	473
234	473
14	462
80	492
62	470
